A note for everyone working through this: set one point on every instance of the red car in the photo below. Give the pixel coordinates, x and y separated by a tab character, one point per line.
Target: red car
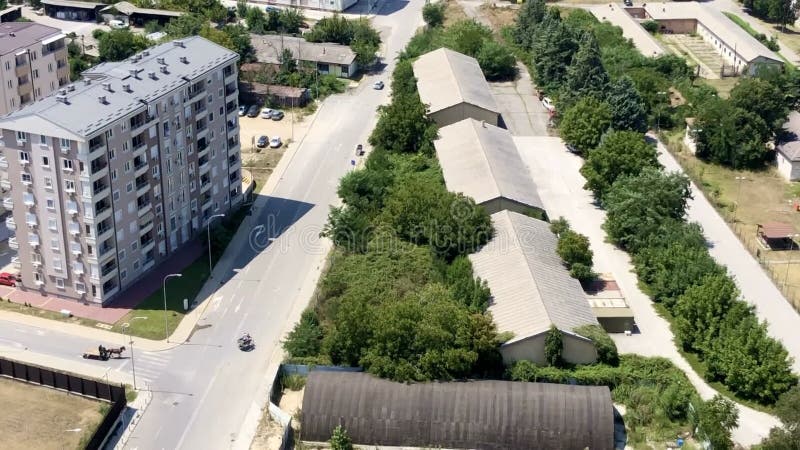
8	279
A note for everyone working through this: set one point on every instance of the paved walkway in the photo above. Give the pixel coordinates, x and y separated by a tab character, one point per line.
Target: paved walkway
556	173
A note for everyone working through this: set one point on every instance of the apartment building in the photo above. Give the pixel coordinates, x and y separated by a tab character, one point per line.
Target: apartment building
33	63
112	174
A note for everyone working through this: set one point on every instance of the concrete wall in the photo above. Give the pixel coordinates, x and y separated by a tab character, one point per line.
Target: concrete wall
788	169
457	113
576	350
678	26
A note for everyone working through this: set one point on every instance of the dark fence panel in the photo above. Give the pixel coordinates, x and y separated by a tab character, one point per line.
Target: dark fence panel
73	383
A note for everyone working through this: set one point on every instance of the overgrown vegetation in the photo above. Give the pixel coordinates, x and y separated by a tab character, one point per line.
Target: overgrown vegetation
573	248
357	33
771	43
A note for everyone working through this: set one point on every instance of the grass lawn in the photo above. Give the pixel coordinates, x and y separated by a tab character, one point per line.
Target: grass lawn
36	417
7	305
722	85
741	22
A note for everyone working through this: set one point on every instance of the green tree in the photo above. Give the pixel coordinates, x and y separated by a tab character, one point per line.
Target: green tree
403	126
586	76
628	109
606	348
553	47
256	21
340	440
528	19
700	311
464	287
585	123
496	61
559	226
242	9
433	14
619	153
467	37
715	420
761	98
116	45
291	19
554	347
76	66
787	437
185	25
574	249
731	136
305	339
637	205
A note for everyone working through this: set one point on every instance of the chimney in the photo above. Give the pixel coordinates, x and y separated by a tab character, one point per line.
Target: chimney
184	60
134	73
177	43
61	98
126	87
164	69
107	87
102	99
62	92
151	74
161	60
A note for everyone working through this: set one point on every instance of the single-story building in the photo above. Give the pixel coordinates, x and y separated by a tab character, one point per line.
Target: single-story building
261	94
481	161
777	235
11	14
609	305
532	291
322	5
787	148
72	10
133	15
487	415
454	88
329	58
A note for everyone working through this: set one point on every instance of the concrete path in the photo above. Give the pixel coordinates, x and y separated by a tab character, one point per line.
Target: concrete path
556	173
519	105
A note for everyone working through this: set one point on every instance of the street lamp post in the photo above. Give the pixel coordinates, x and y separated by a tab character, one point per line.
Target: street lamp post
208	228
130	342
164	284
738	193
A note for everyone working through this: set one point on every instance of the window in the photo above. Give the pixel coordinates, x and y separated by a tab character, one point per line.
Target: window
134	245
45	161
22	136
136	265
54	244
127	166
125	144
35	73
24	157
48	182
158	209
43	139
37	277
65	143
69	185
129	187
57	264
67	164
113	174
122	255
80	287
109	133
52	224
26	178
60	282
51	204
123	274
112	154
116	195
133	227
36	258
8	65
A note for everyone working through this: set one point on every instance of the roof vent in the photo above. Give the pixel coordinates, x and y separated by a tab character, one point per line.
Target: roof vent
62	92
483	123
87	81
164	69
161	60
145	53
151	74
184	60
134	73
70	88
177	43
107	86
126	87
102	99
61	98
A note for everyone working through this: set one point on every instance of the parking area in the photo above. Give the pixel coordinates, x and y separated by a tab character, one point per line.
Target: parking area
81	29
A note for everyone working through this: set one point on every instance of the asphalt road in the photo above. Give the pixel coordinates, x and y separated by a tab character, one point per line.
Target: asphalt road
205	392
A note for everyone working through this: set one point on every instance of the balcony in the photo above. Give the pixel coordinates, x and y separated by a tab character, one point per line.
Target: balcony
74	228
12	243
140	168
8	203
3	162
10	223
203	166
148	245
196	90
77	269
31	221
100	190
145	227
5	184
75	248
231	91
16	262
205	186
234	166
100	173
28	199
145	208
72	207
108	273
142	188
103	234
33	240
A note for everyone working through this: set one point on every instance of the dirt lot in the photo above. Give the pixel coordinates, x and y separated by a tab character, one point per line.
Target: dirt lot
268	436
34	417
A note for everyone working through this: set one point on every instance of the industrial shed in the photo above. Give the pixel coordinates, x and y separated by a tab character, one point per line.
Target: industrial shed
481	161
476	414
453	87
532	290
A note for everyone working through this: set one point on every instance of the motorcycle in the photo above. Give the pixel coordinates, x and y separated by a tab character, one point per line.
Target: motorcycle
246	343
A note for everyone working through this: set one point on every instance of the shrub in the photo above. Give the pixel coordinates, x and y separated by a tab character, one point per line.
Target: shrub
606	349
651	26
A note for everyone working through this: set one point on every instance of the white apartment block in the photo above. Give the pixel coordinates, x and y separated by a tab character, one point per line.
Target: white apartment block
33	63
111	175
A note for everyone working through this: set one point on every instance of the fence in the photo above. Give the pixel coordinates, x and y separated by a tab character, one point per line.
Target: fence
76	384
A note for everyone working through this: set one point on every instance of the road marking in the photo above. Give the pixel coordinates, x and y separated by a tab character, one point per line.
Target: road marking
236	310
196	411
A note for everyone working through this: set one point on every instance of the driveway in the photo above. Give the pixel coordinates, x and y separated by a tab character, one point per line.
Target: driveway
556	174
518	102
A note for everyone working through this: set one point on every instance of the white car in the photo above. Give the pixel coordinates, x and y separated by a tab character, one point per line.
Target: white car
548	104
275	142
117	24
266	113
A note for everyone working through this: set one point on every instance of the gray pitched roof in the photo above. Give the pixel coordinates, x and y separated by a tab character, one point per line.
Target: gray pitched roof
531	288
20	35
128	9
83	114
490	415
269	47
446	78
482	161
790	147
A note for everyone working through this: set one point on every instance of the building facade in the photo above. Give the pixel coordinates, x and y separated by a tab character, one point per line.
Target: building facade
33	63
113	174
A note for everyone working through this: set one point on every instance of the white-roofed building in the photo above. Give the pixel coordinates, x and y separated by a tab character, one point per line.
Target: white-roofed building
454	88
787	154
532	290
481	161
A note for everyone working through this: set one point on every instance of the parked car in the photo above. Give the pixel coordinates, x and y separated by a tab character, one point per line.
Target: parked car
627	3
359	150
378	85
275	142
276	115
117	24
262	142
266	113
242	110
548	104
8	279
253	111
269	9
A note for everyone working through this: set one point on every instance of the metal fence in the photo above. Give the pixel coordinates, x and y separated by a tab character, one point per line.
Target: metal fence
76	384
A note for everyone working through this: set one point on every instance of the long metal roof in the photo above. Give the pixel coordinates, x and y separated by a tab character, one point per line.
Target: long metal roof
446	78
481	160
531	288
490	415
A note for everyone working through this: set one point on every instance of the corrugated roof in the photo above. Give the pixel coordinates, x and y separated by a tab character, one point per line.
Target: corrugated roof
776	230
790	147
531	288
85	115
15	36
487	415
725	29
482	161
269	47
446	78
